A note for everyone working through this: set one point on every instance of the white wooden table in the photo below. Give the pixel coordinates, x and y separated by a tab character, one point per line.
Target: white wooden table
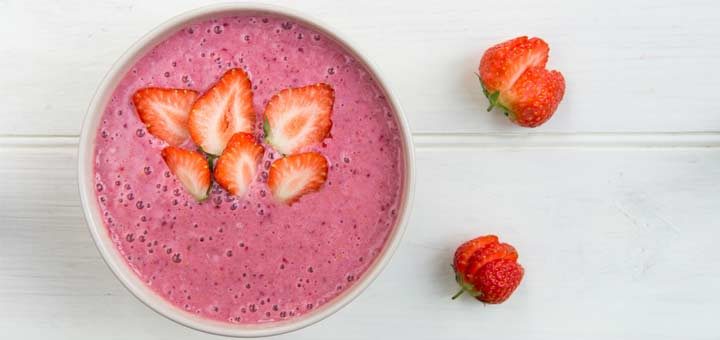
614	205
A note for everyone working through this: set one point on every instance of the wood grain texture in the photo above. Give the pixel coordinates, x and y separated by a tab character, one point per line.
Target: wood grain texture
638	65
617	243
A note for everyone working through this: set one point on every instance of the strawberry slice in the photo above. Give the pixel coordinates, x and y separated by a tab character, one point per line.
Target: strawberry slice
487	254
165	112
503	64
296	175
299	117
237	166
222	111
191	168
467	249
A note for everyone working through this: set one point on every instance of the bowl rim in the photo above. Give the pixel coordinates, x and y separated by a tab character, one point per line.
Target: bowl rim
96	224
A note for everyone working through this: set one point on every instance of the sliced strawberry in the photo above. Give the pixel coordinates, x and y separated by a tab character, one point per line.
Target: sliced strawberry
165	112
296	175
502	64
467	249
487	254
514	78
487	269
222	111
191	168
299	117
237	166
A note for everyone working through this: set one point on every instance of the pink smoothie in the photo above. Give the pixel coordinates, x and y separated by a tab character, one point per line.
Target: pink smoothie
250	259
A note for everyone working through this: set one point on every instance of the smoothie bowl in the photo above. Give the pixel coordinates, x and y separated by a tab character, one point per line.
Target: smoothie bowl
244	171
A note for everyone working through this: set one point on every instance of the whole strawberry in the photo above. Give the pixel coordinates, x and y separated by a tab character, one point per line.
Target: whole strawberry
487	269
514	78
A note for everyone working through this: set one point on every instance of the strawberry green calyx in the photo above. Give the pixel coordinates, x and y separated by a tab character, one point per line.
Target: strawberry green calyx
493	97
210	158
266	129
465	287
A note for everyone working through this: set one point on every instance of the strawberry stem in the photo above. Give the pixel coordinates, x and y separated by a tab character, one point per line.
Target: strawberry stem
460	292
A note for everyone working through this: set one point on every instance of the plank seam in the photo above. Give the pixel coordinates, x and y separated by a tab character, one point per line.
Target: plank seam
700	139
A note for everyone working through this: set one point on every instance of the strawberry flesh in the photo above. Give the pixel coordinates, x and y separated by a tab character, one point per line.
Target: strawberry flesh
191	169
294	176
225	109
503	64
489	253
165	112
296	118
237	167
467	249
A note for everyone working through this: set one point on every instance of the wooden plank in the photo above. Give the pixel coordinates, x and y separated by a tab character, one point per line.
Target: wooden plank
640	66
616	242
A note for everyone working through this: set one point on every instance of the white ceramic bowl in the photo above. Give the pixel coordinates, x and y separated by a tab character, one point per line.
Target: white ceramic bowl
101	236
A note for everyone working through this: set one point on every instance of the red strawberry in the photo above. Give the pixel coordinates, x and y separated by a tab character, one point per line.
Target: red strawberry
534	97
498	280
296	175
299	117
514	77
468	249
191	168
225	109
237	166
504	63
487	269
165	112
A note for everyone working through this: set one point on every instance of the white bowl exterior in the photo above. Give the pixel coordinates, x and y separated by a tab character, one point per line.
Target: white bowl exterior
105	244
